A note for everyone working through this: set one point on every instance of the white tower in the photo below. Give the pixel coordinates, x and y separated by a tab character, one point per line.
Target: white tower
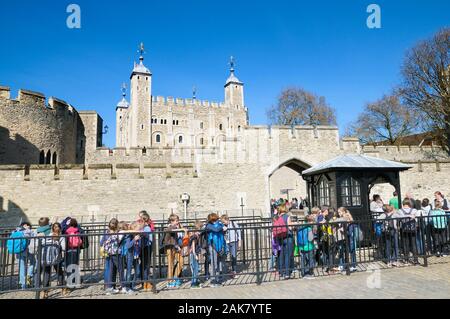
141	91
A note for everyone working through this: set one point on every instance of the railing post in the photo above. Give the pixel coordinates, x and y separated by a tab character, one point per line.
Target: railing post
244	229
347	249
258	266
154	242
423	231
37	276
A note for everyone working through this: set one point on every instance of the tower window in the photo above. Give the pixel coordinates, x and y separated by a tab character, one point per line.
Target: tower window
142	126
239	128
176	122
180	139
165	121
158	138
201	141
201	125
221	127
146	78
162	121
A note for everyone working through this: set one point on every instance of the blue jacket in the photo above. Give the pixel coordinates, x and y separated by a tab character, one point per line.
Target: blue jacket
216	238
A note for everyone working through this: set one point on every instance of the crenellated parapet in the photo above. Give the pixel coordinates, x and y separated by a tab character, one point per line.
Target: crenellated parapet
182	102
28	98
406	153
36	129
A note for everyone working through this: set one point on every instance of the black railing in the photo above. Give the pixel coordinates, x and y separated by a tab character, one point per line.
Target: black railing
306	250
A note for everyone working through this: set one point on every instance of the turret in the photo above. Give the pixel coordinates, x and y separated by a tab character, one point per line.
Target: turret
234	89
141	88
122	119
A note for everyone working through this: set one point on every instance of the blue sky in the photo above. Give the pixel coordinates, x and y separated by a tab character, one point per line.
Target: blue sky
323	46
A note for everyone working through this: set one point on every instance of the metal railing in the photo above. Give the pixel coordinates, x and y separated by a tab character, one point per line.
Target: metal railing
306	250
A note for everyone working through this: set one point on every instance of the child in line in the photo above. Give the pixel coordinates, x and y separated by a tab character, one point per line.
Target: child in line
194	253
131	245
172	248
305	241
52	256
113	265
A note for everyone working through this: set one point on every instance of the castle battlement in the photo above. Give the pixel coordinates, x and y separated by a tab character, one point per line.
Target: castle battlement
406	152
171	101
37	99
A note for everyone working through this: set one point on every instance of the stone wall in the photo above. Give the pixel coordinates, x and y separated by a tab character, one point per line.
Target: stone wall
33	131
125	189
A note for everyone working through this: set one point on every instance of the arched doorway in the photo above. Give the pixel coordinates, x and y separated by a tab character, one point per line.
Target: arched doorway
285	180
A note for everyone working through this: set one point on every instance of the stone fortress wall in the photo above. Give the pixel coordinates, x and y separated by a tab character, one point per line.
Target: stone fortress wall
34	131
123	181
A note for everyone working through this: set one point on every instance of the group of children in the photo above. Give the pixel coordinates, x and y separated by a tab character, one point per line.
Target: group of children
46	248
127	249
314	240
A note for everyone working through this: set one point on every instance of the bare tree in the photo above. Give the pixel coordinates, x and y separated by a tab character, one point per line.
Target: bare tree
426	83
297	106
386	120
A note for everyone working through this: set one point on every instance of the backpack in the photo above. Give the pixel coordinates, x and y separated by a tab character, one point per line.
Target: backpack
379	229
280	229
15	245
217	241
51	254
111	245
302	236
185	246
438	222
74	242
408	224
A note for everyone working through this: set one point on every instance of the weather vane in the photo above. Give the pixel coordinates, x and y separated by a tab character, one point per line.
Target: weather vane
231	63
141	51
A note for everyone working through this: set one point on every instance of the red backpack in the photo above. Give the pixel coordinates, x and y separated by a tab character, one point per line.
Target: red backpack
74	241
280	229
151	224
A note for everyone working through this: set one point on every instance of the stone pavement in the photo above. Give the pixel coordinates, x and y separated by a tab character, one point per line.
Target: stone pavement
405	282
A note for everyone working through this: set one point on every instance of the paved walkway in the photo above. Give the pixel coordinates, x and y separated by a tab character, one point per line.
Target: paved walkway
405	282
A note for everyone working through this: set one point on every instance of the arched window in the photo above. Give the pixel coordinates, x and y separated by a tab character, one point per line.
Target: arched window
158	138
201	141
54	158
48	157
42	157
165	121
177	122
201	125
162	121
239	128
220	127
180	139
350	192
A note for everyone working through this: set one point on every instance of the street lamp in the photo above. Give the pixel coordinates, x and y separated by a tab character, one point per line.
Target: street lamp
106	128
